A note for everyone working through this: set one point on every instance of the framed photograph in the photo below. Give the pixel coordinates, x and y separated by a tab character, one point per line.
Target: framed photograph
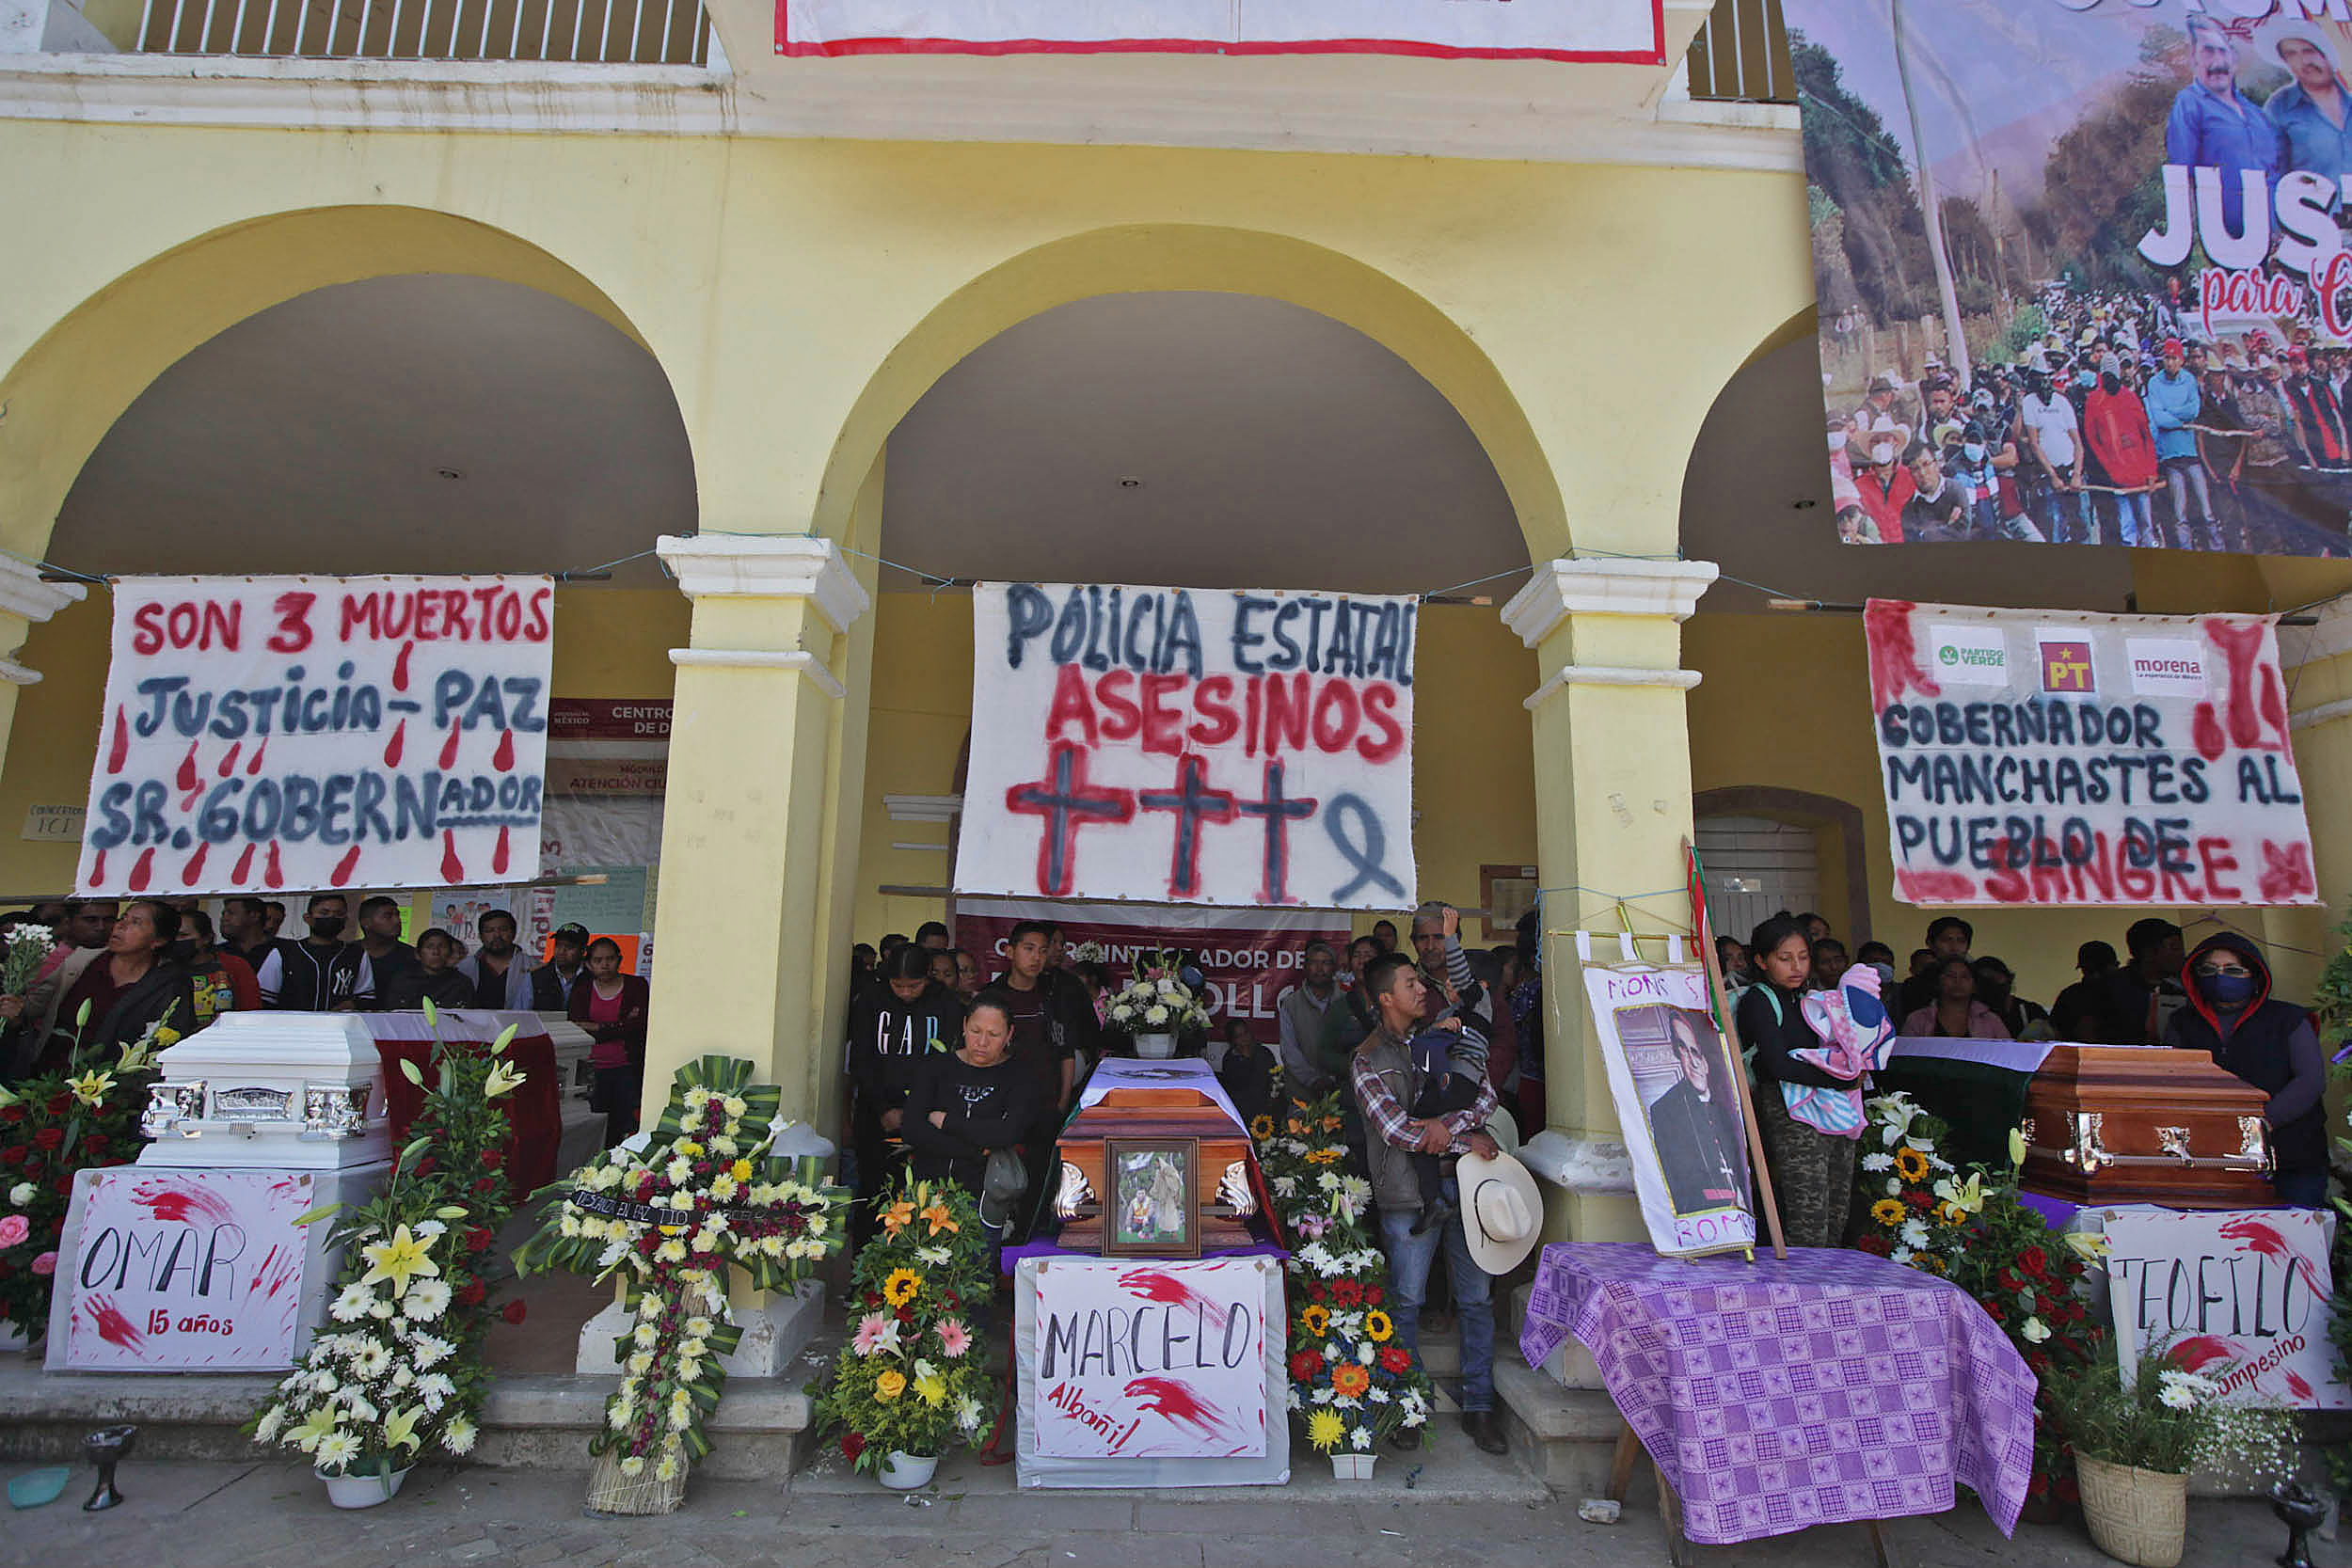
1150	1207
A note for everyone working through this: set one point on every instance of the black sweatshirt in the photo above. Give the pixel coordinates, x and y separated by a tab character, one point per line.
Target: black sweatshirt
890	1038
1773	1035
987	1108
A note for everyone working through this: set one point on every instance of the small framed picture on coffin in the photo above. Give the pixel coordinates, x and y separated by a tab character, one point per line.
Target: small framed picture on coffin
1150	1206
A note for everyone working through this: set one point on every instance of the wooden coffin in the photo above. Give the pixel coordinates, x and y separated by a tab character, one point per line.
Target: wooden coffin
2145	1124
1150	1114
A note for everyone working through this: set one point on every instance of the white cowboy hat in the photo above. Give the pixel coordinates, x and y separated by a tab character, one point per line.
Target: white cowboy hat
1502	1211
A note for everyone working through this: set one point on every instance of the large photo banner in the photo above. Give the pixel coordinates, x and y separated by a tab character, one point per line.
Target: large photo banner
1676	1087
308	732
2080	269
1191	746
1624	31
1248	958
2057	758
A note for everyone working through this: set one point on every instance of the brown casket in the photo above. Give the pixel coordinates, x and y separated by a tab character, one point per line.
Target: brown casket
2145	1124
1172	1113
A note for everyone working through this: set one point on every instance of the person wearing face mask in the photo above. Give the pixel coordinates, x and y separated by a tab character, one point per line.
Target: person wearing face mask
1885	484
2115	425
1813	1170
2267	1043
320	973
894	1027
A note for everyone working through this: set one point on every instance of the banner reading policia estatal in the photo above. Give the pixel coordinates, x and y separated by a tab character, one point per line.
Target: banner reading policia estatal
2131	212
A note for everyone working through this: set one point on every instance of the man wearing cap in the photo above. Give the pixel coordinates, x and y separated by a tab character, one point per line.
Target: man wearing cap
1385	1079
2312	113
2173	399
2318	417
551	982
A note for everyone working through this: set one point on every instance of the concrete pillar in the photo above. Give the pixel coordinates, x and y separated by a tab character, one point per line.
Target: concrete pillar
1613	807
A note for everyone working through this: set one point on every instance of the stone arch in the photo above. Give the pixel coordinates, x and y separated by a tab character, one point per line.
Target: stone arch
1190	258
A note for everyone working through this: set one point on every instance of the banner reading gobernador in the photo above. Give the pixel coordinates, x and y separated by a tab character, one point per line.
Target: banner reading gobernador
2047	758
308	732
2080	269
1191	746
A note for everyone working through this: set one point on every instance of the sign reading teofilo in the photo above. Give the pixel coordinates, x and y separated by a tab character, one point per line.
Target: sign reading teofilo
2030	757
2240	1296
1190	746
307	733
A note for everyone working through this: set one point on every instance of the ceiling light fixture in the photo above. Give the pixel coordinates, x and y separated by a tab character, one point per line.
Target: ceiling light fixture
450	473
1131	482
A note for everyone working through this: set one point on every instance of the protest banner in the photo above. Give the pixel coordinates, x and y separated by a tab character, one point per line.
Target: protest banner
1248	958
1677	1100
1190	746
294	733
2036	757
1158	1360
184	1271
2029	200
2242	1297
1624	31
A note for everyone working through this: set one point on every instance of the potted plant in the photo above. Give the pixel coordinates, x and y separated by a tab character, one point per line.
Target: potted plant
913	1381
2137	1440
1156	1006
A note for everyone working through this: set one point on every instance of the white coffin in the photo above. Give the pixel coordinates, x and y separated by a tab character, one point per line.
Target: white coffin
269	1090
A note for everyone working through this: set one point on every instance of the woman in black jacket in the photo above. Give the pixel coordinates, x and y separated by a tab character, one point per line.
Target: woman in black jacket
1813	1172
2267	1043
967	1103
895	1025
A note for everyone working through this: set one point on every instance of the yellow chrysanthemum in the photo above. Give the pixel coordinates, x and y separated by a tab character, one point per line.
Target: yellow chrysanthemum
1889	1212
740	1170
1377	1328
1911	1164
1262	1127
890	1384
1324	1429
932	1390
939	1219
902	1285
896	1216
1315	1320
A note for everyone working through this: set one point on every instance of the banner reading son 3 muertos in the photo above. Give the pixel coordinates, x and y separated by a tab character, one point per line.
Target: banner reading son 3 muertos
2130	213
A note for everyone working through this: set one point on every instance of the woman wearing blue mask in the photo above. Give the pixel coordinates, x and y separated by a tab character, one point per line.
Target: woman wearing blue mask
2269	1044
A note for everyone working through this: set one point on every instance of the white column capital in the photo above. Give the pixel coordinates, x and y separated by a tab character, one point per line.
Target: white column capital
1563	588
766	566
23	591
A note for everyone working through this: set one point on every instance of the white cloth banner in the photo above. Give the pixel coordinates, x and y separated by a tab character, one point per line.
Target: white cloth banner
1191	746
1149	1358
2242	1297
1624	31
1677	1099
2041	757
309	732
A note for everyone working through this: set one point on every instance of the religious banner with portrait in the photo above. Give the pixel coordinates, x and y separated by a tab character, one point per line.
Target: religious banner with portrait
297	733
1190	746
2080	269
1676	1088
2045	757
1624	31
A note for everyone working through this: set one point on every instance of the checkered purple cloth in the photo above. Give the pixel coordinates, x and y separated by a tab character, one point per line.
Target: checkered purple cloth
1831	1388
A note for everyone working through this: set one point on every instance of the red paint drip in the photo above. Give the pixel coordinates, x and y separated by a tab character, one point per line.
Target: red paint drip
119	750
177	1204
144	871
255	766
2205	728
400	667
271	873
391	746
228	762
503	758
2241	644
453	869
1937	887
497	855
344	867
244	864
449	748
98	870
194	868
1894	666
187	778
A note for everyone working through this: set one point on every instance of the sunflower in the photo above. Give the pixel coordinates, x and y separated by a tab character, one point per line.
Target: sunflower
1349	1380
1911	1164
1262	1127
1324	1429
1377	1327
1315	1320
1887	1211
902	1285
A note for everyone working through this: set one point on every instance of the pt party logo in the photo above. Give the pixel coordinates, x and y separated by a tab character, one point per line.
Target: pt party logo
1190	746
313	733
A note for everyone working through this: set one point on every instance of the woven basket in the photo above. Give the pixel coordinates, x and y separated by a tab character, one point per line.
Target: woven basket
611	1492
2137	1516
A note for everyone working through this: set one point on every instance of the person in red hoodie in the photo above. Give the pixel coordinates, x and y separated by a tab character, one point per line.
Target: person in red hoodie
2115	422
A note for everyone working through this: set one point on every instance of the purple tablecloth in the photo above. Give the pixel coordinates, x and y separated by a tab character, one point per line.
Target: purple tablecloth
1831	1388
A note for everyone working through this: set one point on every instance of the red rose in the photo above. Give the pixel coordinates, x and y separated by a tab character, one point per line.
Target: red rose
12	1155
1374	1295
513	1312
59	1103
478	1238
1919	1200
49	1137
872	1299
2034	1261
1877	1245
487	1184
95	1145
493	1157
11	1113
1396	1359
1305	1364
851	1446
472	1295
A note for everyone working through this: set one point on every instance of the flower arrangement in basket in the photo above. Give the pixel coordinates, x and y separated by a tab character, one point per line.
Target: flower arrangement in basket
913	1380
1350	1379
669	1219
85	1116
401	1374
1156	1001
